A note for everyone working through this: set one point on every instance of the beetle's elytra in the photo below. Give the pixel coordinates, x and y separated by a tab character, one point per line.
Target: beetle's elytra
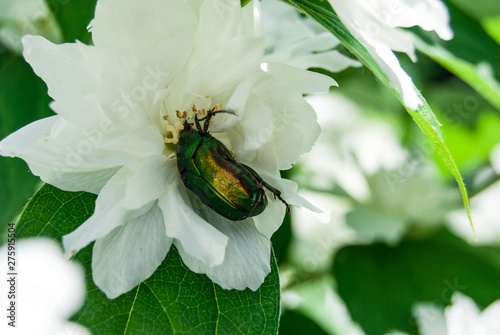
209	170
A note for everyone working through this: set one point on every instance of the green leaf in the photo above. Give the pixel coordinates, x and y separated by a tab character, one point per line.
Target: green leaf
424	117
471	146
380	284
173	300
74	16
296	323
23	99
478	9
492	27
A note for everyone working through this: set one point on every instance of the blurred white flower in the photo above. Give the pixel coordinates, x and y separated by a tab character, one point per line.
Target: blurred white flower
19	18
317	300
300	41
119	105
462	317
392	189
315	242
484	211
375	24
495	158
48	290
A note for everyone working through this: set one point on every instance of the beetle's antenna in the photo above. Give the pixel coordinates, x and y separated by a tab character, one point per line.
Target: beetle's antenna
208	117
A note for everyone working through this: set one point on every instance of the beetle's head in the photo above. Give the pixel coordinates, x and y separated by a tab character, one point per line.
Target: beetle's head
185	120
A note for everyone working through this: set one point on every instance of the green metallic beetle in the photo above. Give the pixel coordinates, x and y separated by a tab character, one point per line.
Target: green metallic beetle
210	171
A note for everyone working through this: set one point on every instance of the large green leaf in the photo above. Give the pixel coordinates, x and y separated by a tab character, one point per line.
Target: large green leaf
424	117
380	284
173	300
23	99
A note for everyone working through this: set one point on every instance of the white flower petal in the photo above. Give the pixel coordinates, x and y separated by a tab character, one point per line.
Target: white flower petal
397	76
197	237
51	146
73	181
272	218
109	213
140	25
247	258
294	124
305	81
256	118
237	104
289	192
332	61
428	14
62	67
130	254
150	181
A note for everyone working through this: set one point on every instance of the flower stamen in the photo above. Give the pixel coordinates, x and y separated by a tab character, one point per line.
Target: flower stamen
174	130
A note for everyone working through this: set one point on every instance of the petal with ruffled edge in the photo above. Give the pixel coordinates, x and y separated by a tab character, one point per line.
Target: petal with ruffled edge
109	213
428	14
247	258
193	234
61	66
130	254
212	70
254	121
294	124
55	149
140	24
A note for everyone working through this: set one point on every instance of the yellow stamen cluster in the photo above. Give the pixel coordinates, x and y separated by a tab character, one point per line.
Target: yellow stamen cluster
173	130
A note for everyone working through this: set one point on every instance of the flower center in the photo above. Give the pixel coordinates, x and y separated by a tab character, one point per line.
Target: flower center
176	123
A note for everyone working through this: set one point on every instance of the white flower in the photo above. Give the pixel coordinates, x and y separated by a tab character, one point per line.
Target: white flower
118	104
317	300
48	290
388	189
18	18
462	317
300	41
375	24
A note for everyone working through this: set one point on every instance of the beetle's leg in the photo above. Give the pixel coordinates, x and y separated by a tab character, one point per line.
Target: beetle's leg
276	193
197	122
